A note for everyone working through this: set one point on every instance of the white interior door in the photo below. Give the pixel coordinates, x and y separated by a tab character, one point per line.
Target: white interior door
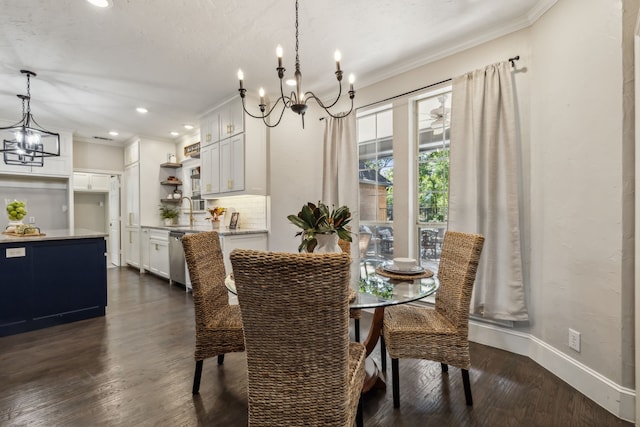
113	251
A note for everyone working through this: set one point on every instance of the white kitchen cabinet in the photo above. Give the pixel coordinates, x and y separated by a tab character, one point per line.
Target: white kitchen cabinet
232	168
132	153
159	252
240	167
257	241
209	129
91	182
132	195
144	248
141	189
131	245
210	170
231	118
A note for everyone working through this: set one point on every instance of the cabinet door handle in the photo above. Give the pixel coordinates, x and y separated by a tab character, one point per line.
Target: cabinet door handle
130	219
208	137
130	241
229	129
230	184
208	188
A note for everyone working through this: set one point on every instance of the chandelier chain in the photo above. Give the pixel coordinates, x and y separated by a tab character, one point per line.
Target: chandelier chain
297	57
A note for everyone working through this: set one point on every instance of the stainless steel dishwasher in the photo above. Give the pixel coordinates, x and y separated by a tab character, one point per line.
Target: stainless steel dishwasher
177	268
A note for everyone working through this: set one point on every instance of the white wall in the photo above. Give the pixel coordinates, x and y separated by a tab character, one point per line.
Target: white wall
91	211
576	181
97	156
569	92
296	173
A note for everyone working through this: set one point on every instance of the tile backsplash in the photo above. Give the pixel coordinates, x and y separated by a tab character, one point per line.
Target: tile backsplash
252	209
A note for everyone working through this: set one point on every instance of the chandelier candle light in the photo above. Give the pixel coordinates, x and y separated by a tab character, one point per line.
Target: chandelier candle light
28	143
297	100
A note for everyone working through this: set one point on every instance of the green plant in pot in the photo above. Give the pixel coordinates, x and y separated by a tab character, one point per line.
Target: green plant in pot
320	219
169	214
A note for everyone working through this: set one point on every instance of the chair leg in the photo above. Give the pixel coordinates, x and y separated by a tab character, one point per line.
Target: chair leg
467	387
359	415
445	367
383	354
196	377
220	359
395	379
356	326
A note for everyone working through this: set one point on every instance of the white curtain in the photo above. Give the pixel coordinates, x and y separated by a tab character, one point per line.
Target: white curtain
485	186
340	163
340	173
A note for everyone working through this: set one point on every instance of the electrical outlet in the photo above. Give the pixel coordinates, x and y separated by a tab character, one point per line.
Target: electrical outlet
574	340
32	220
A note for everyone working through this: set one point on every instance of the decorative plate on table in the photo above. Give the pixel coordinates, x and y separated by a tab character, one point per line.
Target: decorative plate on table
392	268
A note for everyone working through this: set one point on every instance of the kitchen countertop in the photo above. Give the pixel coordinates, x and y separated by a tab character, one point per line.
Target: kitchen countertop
60	234
223	231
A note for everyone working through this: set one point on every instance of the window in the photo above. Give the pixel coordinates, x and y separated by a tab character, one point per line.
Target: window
375	157
432	130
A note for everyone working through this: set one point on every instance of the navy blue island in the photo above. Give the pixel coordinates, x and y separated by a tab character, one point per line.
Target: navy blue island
48	280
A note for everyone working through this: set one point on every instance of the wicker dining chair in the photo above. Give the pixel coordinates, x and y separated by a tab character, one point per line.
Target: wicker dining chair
355	313
218	324
302	368
439	334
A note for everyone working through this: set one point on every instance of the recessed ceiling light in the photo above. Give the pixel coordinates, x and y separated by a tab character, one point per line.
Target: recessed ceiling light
100	3
113	133
290	82
188	127
174	133
142	110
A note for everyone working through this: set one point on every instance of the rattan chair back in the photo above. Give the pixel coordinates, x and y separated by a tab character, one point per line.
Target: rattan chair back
457	273
205	262
295	314
218	324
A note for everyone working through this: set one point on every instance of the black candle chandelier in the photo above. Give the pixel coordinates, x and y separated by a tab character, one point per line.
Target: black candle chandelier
26	143
297	100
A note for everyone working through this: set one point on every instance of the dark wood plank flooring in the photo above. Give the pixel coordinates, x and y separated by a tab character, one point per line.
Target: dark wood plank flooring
134	367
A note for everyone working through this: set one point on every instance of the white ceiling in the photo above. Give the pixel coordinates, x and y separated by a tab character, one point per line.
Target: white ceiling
179	58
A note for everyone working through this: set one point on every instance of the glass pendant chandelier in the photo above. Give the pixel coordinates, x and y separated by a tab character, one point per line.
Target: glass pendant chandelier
297	100
26	143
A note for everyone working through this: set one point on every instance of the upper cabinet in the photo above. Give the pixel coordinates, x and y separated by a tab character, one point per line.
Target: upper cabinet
132	153
232	168
236	163
91	182
231	118
210	169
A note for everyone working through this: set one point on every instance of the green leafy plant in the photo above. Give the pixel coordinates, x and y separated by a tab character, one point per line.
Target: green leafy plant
314	219
167	212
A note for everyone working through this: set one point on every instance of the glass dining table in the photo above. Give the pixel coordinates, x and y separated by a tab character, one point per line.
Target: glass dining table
376	289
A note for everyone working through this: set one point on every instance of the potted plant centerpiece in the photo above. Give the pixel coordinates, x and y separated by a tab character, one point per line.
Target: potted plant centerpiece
169	214
321	227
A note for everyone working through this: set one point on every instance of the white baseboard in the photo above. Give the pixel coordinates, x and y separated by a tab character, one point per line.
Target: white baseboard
618	400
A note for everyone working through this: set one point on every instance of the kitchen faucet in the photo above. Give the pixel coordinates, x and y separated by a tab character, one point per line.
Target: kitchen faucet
191	218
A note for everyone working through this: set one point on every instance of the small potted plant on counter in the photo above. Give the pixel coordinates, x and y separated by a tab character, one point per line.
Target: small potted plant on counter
216	214
169	214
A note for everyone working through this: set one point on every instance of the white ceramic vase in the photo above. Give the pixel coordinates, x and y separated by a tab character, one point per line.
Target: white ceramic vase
327	243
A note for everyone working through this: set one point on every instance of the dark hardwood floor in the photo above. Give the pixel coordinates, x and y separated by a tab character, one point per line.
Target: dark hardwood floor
135	366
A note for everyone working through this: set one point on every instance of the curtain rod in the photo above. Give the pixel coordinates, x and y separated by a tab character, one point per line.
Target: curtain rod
513	64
